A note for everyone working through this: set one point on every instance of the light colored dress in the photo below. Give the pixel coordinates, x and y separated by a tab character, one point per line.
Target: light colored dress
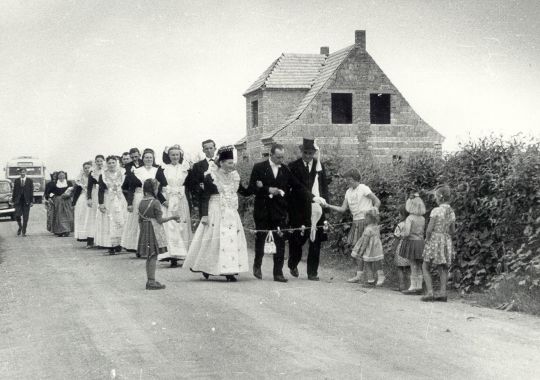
439	249
110	224
179	235
220	248
130	234
82	211
358	203
369	247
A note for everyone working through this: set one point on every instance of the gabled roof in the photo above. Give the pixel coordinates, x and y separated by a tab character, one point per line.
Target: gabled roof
290	71
331	64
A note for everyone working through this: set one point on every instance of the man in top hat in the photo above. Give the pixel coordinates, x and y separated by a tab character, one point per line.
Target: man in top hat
271	182
195	179
23	197
311	174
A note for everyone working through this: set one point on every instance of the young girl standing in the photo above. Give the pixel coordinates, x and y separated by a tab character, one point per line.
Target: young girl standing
369	248
152	240
439	250
413	241
400	262
358	199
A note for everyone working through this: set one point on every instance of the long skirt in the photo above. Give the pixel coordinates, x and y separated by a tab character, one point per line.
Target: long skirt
179	235
82	211
130	234
50	215
63	215
219	248
92	214
110	224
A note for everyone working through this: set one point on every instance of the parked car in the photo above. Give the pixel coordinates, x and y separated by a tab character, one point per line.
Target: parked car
7	208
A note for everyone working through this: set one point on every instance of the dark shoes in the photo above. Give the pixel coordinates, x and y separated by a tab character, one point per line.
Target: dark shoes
414	292
257	273
280	278
112	252
206	275
432	298
313	278
19	231
231	278
294	272
174	264
154	285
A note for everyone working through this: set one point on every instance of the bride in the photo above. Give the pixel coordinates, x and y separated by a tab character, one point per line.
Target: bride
219	245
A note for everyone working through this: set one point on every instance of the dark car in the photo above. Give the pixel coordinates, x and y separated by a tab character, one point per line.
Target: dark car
7	208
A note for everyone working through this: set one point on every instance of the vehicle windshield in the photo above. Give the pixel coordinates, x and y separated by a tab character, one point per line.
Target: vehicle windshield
30	170
4	187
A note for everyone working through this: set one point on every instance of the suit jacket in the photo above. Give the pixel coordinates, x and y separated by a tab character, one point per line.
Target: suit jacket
300	203
271	212
194	180
25	192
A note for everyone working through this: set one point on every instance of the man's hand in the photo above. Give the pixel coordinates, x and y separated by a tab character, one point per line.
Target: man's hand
102	208
130	208
259	184
166	204
204	220
89	203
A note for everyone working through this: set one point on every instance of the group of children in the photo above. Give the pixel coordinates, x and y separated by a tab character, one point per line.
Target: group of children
411	249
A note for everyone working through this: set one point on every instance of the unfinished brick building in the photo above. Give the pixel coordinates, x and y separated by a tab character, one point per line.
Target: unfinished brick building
343	99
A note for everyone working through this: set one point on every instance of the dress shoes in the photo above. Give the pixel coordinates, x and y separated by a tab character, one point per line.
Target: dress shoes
440	298
280	278
19	231
257	273
294	272
154	285
313	278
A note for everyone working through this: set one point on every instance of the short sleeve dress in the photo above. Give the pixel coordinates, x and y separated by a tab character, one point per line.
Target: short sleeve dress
152	240
439	249
369	247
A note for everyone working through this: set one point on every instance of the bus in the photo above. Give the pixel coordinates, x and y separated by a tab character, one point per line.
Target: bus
35	169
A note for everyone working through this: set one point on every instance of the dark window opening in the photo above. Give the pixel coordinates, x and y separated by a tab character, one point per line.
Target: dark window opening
379	105
341	108
255	113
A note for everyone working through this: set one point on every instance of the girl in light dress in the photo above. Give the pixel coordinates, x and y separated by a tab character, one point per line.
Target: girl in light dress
135	179
92	195
369	248
179	235
439	249
81	209
358	199
413	241
112	207
401	263
152	240
219	245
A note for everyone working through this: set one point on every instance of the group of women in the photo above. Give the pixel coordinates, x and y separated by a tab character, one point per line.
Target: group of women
102	206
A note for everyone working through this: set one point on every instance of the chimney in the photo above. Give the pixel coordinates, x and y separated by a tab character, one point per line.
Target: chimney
360	39
325	50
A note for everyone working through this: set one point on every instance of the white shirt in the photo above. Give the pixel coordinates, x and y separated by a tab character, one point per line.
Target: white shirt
275	168
22	180
358	202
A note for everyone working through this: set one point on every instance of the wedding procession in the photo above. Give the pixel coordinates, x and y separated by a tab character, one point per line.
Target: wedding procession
130	203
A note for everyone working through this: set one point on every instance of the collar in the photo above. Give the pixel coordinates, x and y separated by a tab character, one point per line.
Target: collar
272	164
210	159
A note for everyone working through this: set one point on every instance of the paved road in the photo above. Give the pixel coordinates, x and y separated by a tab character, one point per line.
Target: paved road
70	313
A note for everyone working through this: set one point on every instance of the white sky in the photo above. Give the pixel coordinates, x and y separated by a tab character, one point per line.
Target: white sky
79	78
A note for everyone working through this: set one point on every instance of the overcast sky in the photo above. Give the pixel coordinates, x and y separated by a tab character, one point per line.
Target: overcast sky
79	78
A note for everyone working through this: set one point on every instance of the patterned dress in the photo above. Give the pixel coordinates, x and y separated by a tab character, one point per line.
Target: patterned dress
398	260
439	249
110	224
219	248
152	240
369	247
179	235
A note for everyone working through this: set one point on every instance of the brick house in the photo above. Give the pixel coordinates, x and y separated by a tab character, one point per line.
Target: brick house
343	99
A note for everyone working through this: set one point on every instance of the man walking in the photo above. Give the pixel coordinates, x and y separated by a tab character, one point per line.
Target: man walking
23	196
310	172
195	179
271	182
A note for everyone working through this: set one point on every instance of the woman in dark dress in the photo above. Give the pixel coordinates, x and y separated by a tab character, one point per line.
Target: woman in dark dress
63	209
49	204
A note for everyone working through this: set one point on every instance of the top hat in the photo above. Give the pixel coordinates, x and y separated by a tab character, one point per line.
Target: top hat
308	144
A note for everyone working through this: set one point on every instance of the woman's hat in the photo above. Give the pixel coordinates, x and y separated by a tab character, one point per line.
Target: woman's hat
226	153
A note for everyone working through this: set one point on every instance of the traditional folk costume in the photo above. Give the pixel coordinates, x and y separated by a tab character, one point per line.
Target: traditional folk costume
110	224
135	179
82	211
92	194
63	210
219	248
49	202
179	235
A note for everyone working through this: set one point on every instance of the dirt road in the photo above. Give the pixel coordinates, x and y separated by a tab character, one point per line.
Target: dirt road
71	313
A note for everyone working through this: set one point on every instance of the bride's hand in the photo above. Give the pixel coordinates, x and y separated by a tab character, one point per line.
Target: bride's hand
204	220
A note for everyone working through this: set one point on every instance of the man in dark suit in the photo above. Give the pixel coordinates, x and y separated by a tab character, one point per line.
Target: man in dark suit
195	180
23	198
271	182
310	172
